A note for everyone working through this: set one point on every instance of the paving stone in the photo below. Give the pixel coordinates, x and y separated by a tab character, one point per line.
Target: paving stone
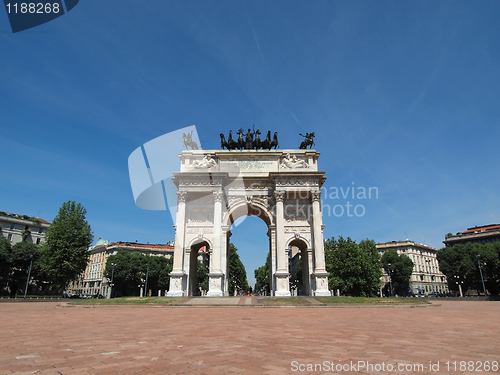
50	338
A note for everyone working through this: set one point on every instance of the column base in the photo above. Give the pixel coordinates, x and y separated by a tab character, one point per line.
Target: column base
215	284
283	293
282	284
321	283
178	285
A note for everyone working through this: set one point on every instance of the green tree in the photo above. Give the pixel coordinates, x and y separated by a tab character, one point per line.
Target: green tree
131	269
456	264
129	272
24	254
201	277
65	251
158	274
400	268
489	257
353	269
460	263
237	275
5	262
262	275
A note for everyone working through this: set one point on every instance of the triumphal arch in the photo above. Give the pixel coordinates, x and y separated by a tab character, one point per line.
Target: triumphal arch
216	187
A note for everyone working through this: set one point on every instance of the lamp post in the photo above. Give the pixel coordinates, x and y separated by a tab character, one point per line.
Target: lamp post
428	261
146	286
28	279
459	283
112	276
481	272
390	276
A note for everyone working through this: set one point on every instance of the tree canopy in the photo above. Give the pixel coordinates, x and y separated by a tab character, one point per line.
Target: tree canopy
460	264
130	270
5	261
353	269
237	275
262	277
65	251
400	268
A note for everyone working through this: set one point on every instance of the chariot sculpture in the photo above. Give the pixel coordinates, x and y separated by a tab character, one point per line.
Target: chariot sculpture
249	140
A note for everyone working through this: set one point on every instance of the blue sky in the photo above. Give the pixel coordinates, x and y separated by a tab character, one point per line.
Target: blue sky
403	96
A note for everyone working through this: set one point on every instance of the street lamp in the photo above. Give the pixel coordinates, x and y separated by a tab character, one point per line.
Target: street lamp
459	283
112	275
481	272
428	261
146	287
390	276
28	279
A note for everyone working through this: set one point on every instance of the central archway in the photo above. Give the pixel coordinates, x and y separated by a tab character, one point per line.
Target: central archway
243	209
282	188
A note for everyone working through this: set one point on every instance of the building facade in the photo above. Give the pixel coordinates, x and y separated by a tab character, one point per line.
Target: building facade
426	277
93	282
19	228
482	234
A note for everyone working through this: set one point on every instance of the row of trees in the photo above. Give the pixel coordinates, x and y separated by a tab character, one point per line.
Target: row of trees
61	258
130	270
64	256
463	265
355	269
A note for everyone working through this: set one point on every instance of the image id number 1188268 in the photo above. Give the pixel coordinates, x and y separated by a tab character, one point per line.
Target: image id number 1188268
38	8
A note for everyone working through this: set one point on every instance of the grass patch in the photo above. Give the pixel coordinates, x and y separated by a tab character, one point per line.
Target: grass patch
125	301
370	300
285	301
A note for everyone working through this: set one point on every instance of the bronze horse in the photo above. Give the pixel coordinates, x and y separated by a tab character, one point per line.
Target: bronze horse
308	141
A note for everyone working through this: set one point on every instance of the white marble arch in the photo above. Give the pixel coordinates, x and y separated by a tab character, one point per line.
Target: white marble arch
215	188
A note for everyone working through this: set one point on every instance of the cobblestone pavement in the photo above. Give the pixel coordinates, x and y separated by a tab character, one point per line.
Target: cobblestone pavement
53	338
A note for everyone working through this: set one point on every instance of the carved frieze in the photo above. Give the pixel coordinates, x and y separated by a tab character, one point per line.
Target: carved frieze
200	215
297	229
199	230
206	163
293	162
297	182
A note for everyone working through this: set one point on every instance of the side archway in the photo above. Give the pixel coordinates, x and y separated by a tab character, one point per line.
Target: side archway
300	256
199	250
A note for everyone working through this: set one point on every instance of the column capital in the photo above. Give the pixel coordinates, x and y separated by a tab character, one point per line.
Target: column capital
218	196
279	195
315	195
182	196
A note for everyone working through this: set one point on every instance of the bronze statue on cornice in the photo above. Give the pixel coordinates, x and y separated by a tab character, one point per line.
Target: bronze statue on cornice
308	141
249	140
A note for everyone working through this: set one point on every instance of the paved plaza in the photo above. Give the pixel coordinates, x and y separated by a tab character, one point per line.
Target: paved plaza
448	337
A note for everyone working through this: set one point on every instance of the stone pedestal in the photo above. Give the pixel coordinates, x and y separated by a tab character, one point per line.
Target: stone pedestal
215	284
321	283
178	283
282	284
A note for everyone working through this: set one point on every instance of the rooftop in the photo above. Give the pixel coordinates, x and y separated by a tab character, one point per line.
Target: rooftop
23	217
404	243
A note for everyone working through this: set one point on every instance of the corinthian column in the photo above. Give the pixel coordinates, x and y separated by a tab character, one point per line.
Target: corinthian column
282	285
216	275
177	276
320	274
